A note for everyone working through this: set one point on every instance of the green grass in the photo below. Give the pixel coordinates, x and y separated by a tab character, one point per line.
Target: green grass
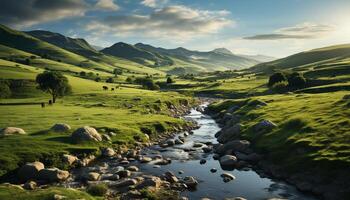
14	193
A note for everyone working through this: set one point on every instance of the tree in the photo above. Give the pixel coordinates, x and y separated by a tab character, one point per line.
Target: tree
53	83
275	78
169	80
110	80
296	80
117	72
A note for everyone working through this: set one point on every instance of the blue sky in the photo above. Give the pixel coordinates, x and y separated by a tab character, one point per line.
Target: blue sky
270	27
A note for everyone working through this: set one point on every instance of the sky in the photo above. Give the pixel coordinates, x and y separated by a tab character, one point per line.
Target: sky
275	28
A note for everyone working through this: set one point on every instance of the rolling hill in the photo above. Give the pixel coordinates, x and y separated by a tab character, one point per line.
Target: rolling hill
313	58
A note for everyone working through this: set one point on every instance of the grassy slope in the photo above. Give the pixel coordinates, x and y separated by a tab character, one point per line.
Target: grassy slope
89	105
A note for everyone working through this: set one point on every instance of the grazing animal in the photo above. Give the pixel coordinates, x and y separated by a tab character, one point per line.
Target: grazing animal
112	89
43	105
105	87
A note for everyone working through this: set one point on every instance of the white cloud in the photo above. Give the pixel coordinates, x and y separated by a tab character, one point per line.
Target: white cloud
107	5
176	22
301	31
154	3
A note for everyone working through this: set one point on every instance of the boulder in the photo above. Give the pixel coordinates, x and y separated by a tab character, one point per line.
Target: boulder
234	120
12	131
227	177
30	185
145	159
126	183
124	173
190	182
60	127
213	170
207	149
198	145
106	137
264	126
253	157
53	175
107	152
170	176
69	159
178	141
230	133
133	168
170	142
150	182
232	109
92	176
235	198
86	133
110	177
30	171
202	161
235	145
228	161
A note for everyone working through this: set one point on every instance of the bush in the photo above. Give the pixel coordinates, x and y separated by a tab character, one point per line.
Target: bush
147	83
276	77
5	90
110	80
280	87
98	190
169	80
97	79
296	80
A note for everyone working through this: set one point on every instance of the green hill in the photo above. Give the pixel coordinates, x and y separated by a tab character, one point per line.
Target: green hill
315	57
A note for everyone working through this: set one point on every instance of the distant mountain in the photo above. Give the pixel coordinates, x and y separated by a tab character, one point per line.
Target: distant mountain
136	54
315	57
218	59
76	45
97	48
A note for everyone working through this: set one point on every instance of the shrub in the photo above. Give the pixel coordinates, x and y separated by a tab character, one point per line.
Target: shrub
276	77
296	80
280	87
97	79
110	80
98	190
5	90
147	83
169	80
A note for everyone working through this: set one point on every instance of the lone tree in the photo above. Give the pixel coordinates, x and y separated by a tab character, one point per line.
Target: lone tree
296	80
53	83
276	77
169	80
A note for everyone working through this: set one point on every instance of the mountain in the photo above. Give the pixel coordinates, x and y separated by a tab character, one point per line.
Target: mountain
131	52
218	59
315	57
76	45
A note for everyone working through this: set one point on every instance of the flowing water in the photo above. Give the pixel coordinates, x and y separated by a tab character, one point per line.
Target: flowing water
248	184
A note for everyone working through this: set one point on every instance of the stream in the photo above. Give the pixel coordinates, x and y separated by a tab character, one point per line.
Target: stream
248	184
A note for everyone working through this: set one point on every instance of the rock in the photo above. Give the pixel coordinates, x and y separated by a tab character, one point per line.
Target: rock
235	198
111	134
93	176
178	141
190	182
124	162
53	175
106	137
232	109
198	145
60	127
30	185
125	183
86	133
108	152
180	172
235	145
30	171
162	162
228	160
145	159
59	197
253	157
216	156
69	159
207	149
111	177
133	168
227	177
230	134
213	170
124	173
170	142
202	161
12	131
264	126
150	182
170	176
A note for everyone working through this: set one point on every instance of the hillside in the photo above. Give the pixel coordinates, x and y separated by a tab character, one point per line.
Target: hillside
315	57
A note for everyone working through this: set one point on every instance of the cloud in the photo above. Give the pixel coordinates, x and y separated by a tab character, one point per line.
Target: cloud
300	31
30	12
154	3
107	5
170	22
